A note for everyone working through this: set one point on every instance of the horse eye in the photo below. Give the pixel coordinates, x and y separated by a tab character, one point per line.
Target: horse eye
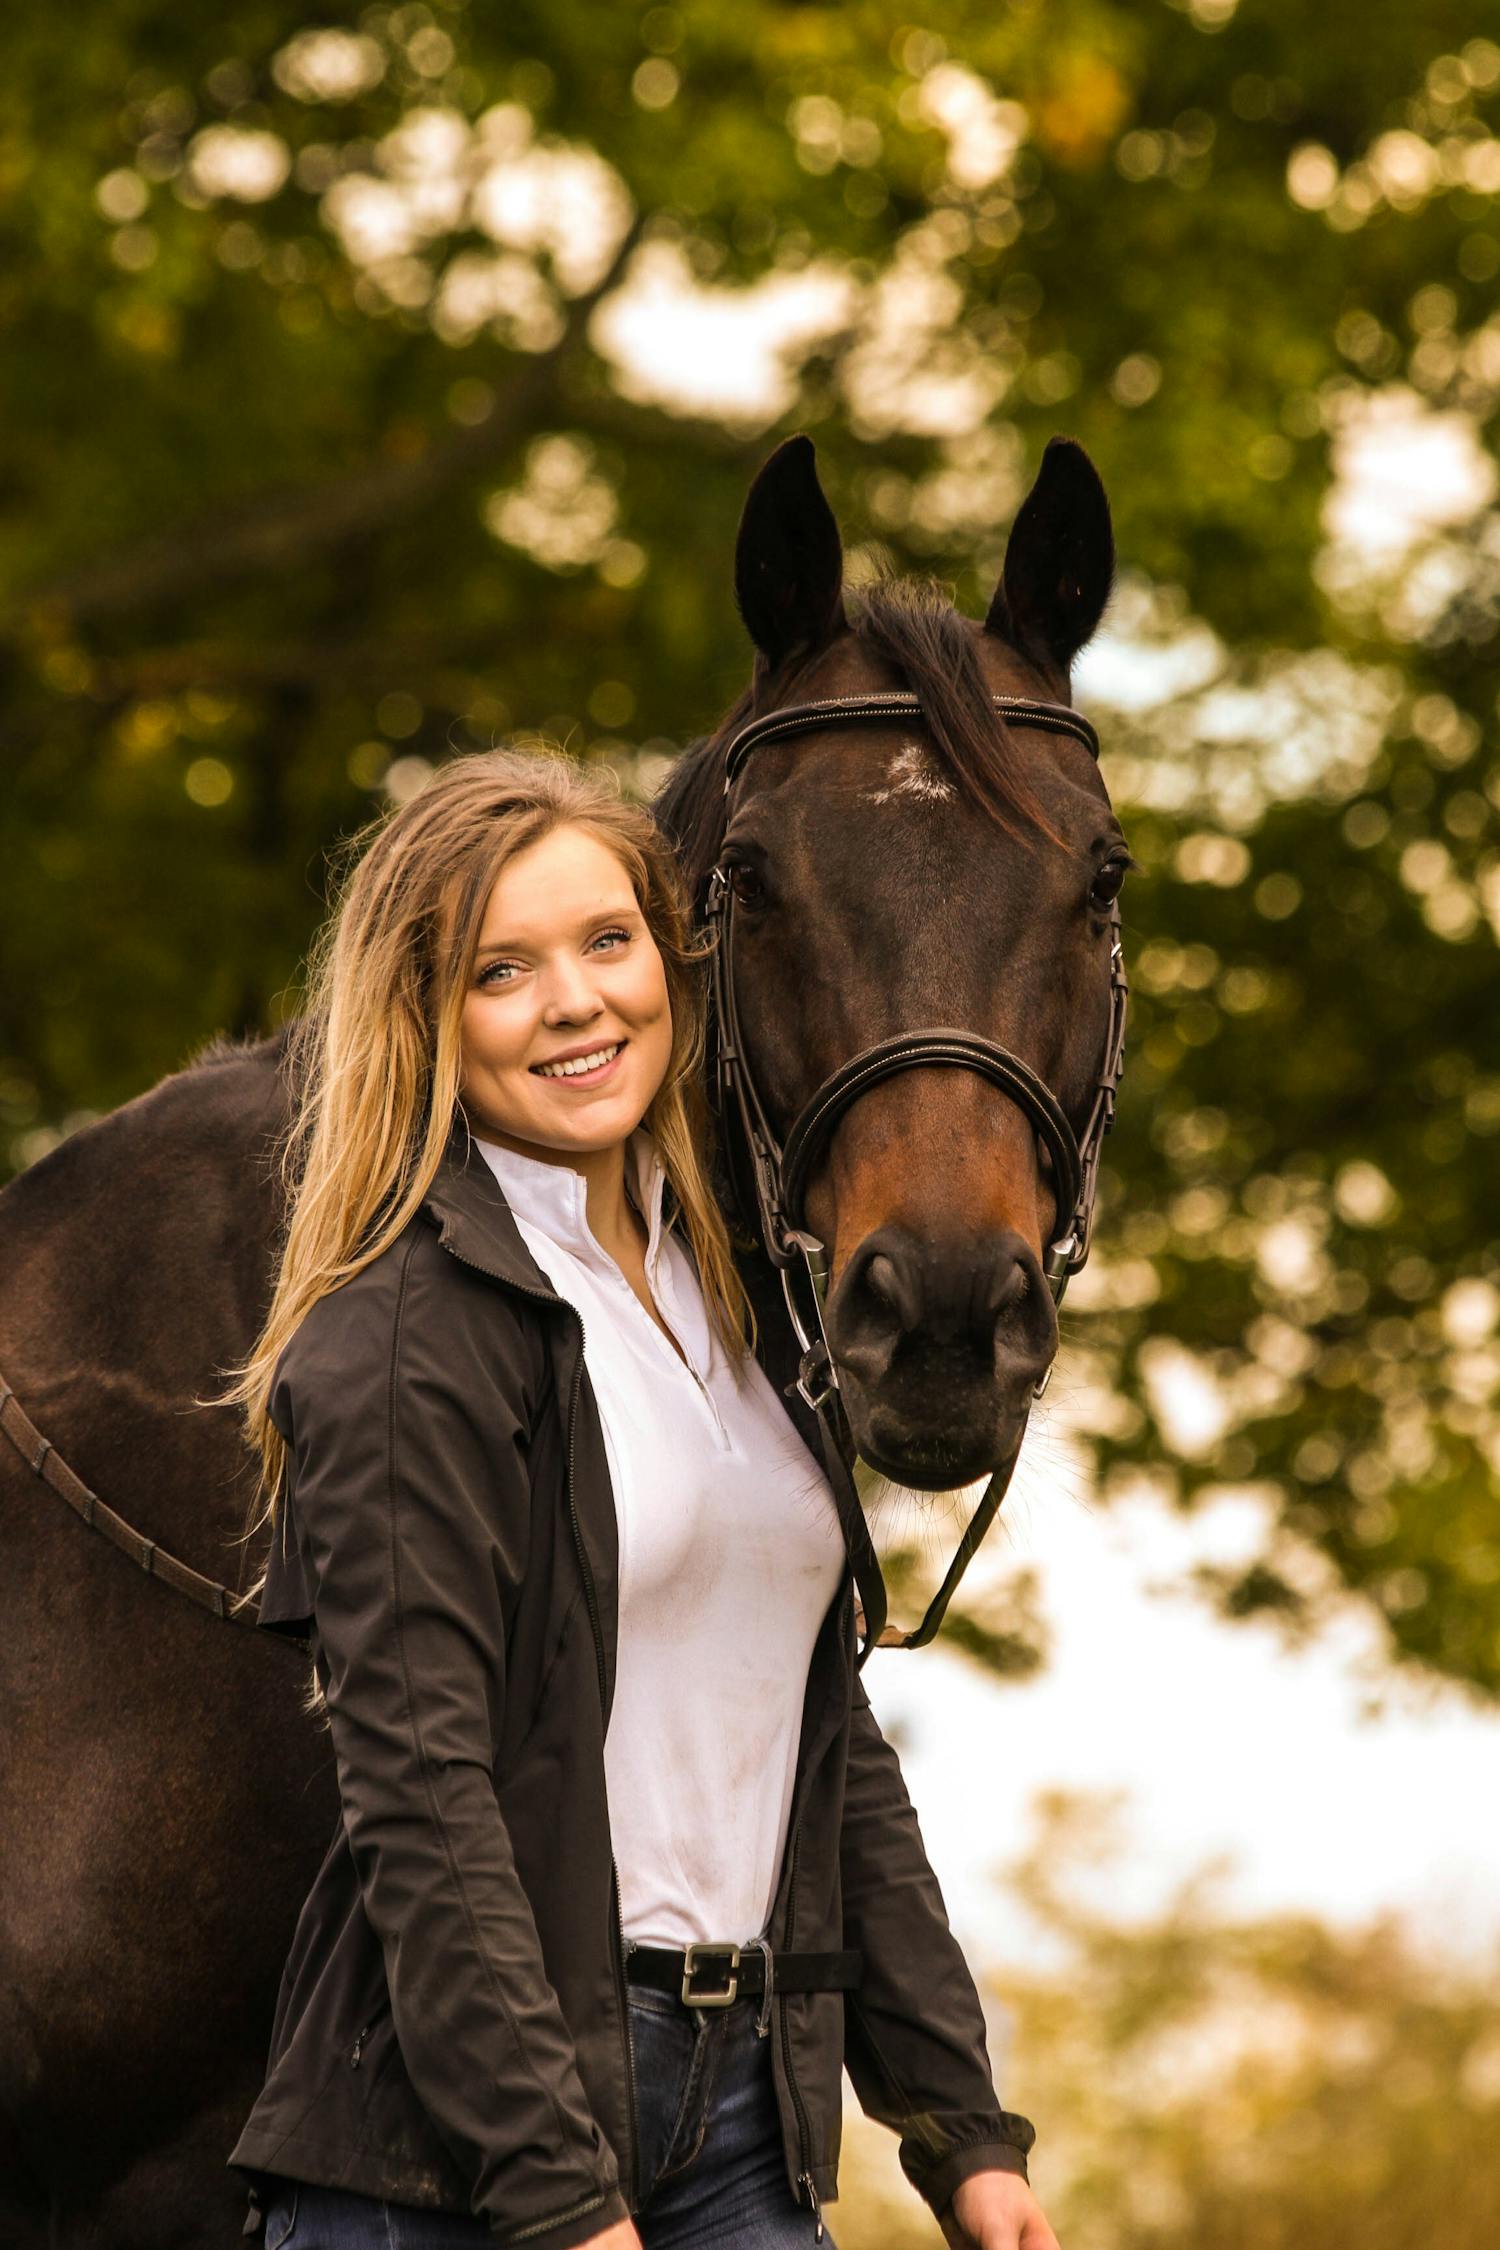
746	884
1107	883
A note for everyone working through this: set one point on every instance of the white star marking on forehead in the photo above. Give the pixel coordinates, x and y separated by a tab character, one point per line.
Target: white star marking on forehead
912	774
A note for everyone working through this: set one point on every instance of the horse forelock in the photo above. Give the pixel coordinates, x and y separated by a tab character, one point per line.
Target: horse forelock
910	627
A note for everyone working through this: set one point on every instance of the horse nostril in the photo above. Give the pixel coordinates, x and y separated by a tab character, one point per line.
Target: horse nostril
910	1309
1008	1287
886	1280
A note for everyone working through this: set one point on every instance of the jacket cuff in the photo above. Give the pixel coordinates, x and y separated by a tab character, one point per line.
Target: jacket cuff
580	2224
938	2185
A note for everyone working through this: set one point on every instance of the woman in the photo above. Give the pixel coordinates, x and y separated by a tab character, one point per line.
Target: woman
623	1855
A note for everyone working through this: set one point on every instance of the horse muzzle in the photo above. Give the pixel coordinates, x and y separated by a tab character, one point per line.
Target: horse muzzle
940	1349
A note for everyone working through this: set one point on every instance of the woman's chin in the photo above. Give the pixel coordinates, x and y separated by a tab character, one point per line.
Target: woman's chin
599	1122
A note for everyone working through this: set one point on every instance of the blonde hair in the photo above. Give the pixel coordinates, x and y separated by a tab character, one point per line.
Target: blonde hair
375	1060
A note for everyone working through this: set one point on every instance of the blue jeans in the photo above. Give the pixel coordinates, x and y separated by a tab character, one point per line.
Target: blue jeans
708	2134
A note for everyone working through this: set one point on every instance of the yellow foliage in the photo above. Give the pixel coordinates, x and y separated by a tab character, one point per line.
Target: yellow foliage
1201	2082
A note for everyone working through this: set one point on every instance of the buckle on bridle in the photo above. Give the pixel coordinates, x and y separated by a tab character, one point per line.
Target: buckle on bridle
816	1368
1061	1262
700	1950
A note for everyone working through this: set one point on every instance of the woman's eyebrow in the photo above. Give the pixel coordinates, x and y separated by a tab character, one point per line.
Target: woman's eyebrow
590	921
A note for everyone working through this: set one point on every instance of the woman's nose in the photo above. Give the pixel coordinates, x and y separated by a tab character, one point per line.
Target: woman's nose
572	993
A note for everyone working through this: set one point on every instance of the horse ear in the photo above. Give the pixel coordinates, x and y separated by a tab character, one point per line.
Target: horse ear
1060	561
789	560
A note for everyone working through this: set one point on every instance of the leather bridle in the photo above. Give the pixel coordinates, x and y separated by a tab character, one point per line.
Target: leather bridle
770	1178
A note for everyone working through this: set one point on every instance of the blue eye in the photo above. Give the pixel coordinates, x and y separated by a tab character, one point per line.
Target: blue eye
488	975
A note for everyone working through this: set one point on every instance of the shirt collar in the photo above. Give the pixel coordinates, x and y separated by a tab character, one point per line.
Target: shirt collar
554	1197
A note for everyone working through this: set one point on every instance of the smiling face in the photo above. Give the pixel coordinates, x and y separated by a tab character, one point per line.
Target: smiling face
566	972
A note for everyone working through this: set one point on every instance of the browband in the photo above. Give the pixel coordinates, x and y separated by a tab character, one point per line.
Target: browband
796	718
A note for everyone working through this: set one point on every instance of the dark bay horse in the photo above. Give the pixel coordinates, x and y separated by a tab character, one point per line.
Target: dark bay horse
164	1799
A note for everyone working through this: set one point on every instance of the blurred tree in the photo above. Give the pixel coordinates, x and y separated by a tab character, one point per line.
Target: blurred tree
1256	2085
376	389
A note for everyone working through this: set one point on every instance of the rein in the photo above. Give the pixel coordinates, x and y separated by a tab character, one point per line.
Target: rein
44	1461
778	1173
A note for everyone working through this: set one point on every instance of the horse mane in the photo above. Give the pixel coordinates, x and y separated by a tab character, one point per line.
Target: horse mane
227	1047
910	627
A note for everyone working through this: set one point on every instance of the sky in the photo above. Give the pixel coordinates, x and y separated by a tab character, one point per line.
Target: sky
1222	1739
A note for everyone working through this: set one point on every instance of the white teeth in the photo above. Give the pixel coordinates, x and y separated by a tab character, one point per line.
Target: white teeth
581	1065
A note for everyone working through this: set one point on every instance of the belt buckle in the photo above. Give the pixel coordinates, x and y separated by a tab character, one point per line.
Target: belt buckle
701	1950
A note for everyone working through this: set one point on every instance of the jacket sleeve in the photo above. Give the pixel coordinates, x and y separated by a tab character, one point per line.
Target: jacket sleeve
915	2047
408	1451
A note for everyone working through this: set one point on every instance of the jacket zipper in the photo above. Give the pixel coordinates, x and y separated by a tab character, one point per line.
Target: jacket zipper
804	2177
358	2044
591	1598
624	1997
617	1927
804	2135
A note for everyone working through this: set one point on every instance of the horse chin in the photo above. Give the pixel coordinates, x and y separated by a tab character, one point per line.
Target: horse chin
935	1452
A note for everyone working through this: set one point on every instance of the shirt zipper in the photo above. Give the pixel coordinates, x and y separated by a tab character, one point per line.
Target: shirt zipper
681	1360
707	1397
591	1599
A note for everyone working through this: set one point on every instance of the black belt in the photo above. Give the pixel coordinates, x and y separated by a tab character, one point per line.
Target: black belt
713	1976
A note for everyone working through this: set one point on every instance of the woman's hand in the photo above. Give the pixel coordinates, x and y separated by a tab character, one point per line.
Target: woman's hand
621	2236
996	2211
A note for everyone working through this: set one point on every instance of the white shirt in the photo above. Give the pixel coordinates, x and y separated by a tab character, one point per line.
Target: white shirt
730	1553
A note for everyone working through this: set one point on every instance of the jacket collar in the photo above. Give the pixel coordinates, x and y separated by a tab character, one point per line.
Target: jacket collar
474	1219
554	1197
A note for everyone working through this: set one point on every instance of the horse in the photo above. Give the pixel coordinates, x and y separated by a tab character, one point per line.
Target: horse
167	1795
943	915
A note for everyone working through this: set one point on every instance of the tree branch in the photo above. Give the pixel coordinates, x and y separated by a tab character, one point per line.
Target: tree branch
279	531
233	667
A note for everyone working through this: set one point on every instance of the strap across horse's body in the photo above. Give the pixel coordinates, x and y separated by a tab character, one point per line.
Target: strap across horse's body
44	1461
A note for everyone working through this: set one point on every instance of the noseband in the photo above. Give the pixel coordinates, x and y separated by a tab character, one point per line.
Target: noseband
779	1174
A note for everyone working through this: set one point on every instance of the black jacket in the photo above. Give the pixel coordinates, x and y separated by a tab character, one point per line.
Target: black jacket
451	2027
